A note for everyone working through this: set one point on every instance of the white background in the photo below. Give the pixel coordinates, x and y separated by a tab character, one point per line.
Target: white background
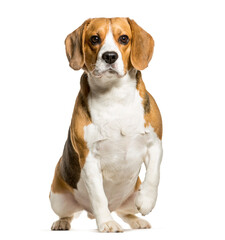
37	94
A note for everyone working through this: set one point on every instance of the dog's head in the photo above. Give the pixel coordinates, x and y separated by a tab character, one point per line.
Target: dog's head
109	47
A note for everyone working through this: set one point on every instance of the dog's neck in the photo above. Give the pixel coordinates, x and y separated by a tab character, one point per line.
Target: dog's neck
116	89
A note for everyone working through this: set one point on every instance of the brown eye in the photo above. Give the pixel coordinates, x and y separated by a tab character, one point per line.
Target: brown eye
95	40
124	39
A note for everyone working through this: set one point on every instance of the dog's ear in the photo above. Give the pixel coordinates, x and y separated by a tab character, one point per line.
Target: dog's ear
142	45
75	47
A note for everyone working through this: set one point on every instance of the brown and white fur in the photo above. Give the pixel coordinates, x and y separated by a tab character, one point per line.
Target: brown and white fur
116	126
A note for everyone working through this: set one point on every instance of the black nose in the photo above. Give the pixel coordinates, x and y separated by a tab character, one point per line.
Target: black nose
110	57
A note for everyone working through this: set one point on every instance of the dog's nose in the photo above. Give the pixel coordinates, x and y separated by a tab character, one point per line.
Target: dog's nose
110	57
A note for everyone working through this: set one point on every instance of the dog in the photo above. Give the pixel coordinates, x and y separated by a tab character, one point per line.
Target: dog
116	126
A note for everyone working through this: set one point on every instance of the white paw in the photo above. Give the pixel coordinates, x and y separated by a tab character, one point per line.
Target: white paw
139	223
145	200
110	226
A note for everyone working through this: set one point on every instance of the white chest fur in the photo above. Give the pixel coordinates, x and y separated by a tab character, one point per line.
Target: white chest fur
117	138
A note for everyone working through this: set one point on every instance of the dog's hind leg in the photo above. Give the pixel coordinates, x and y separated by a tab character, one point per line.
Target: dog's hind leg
63	202
65	206
134	221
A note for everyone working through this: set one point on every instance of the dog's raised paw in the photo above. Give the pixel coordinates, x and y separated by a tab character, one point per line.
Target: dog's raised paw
60	225
145	201
110	226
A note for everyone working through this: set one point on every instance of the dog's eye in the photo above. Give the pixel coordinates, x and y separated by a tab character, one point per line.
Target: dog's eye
124	39
95	40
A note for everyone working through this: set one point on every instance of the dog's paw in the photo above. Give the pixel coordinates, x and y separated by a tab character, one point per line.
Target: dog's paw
139	223
110	226
145	200
60	225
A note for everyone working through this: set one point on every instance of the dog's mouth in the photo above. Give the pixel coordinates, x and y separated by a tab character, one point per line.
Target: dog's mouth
109	72
112	71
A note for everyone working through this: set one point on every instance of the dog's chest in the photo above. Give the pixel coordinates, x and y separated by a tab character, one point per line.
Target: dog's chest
117	138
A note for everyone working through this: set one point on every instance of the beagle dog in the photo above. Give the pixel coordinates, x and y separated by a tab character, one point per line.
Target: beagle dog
115	127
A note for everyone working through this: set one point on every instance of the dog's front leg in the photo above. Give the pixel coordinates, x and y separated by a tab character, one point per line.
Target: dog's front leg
92	176
147	195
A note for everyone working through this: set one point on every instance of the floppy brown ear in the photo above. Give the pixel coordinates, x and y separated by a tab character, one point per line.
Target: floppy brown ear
142	45
75	47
